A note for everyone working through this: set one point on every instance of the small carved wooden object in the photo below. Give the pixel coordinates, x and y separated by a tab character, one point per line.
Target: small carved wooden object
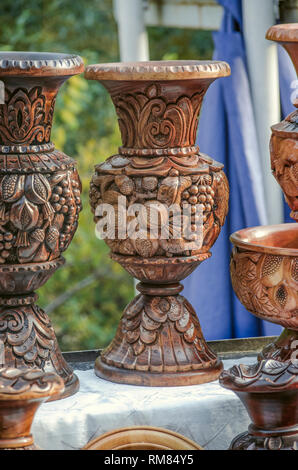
21	394
264	272
142	438
39	207
159	168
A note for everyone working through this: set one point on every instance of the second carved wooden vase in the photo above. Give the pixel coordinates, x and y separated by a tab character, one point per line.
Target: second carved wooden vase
39	208
283	143
157	180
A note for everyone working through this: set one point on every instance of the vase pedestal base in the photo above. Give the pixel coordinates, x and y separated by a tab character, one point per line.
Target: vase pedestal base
29	341
159	342
114	374
71	387
247	441
284	348
27	337
269	391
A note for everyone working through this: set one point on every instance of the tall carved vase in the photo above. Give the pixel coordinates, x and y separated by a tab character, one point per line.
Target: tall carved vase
39	208
159	341
283	144
264	271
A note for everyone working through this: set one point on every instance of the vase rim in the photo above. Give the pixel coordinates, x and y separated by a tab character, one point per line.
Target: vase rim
280	239
39	64
283	32
158	70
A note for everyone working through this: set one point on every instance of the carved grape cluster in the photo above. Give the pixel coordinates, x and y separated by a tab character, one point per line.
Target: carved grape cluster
7	241
200	192
95	198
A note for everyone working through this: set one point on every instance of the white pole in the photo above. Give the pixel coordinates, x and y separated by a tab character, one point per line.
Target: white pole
262	61
132	35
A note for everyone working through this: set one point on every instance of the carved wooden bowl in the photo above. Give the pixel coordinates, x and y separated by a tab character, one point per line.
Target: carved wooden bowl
264	272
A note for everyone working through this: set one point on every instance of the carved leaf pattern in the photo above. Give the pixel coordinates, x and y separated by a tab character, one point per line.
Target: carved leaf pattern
160	124
23	118
30	341
262	376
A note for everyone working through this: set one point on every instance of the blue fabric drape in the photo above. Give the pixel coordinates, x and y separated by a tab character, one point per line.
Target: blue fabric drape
288	83
227	133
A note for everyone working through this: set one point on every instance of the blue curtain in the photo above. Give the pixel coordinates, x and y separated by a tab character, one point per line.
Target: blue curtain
287	79
227	133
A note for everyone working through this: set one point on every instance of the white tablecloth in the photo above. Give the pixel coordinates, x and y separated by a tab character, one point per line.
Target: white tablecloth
207	413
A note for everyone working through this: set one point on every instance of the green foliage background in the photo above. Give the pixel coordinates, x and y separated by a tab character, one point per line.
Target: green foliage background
86	296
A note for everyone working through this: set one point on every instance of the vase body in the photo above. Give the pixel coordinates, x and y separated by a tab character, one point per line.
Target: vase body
21	394
39	207
160	171
283	144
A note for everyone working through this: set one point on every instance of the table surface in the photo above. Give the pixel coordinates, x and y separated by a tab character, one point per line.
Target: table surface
208	414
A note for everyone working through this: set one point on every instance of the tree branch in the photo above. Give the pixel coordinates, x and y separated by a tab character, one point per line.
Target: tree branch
87	281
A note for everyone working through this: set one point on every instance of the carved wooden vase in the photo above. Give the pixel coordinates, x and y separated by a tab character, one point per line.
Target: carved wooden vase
21	394
283	144
39	207
159	341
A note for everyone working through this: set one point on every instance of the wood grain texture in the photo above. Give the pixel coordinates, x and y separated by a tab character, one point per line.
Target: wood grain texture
21	394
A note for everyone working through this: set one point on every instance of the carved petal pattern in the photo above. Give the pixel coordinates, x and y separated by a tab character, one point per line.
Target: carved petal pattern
160	334
29	339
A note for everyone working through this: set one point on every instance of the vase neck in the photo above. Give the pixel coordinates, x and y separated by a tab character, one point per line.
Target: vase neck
159	116
27	114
